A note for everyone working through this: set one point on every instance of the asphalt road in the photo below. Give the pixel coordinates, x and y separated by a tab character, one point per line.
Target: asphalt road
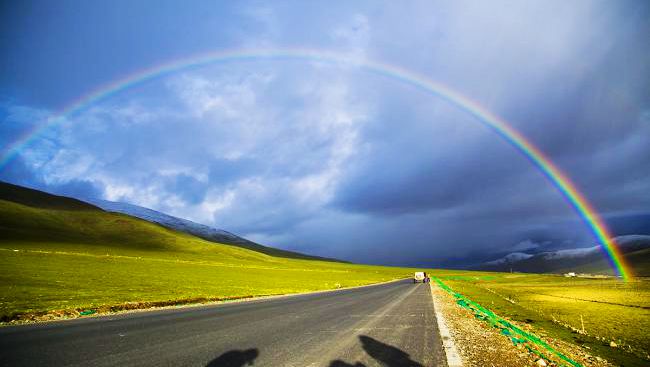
384	325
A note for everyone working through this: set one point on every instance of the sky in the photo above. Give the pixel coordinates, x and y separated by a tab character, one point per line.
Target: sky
326	158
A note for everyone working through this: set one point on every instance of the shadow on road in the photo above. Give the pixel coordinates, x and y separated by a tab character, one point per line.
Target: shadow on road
385	354
339	363
235	358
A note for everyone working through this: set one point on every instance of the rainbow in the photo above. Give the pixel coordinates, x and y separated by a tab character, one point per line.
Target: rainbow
554	175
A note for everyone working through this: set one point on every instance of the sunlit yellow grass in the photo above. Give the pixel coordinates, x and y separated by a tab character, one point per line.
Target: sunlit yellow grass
76	259
609	309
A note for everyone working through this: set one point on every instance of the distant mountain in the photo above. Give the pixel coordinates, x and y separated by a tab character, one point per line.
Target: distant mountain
635	249
196	229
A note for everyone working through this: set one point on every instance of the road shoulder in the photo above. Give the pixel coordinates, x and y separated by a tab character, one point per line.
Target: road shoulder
477	344
448	341
480	344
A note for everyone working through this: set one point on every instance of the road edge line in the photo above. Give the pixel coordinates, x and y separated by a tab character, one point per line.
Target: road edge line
448	345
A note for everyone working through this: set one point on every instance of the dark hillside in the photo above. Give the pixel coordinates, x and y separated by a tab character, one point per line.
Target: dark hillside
40	199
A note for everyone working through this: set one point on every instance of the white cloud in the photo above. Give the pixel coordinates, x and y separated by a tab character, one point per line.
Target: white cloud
299	151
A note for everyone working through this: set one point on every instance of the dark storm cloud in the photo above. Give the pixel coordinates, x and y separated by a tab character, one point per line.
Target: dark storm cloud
586	115
338	162
626	224
409	176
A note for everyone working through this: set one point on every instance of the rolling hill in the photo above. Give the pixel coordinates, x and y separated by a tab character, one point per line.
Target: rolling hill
39	199
196	229
61	255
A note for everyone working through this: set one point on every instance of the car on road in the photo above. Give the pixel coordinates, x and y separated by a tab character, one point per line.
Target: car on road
420	276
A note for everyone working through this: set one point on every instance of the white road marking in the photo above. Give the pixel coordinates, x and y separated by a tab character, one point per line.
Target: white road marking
453	358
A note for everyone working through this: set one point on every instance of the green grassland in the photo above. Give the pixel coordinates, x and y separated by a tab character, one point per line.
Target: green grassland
55	256
61	254
610	309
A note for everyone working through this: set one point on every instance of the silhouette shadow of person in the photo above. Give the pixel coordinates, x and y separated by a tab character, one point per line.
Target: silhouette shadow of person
385	354
235	358
339	363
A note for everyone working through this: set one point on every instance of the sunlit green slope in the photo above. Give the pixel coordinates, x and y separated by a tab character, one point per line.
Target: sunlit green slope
58	253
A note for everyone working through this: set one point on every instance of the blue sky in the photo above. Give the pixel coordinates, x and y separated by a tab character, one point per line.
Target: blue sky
329	159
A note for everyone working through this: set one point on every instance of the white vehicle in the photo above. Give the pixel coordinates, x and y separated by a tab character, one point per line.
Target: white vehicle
420	276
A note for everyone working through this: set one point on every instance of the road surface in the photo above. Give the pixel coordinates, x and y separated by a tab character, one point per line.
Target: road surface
384	325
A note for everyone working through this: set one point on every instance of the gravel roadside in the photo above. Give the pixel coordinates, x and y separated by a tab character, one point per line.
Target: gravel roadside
479	344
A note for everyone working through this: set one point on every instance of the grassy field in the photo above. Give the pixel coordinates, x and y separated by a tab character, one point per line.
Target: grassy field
34	280
61	254
57	254
609	309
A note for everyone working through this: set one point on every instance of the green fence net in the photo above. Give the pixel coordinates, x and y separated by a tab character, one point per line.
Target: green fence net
518	336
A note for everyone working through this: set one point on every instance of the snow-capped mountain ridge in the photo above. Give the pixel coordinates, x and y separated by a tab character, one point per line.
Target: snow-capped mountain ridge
162	218
560	260
195	229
